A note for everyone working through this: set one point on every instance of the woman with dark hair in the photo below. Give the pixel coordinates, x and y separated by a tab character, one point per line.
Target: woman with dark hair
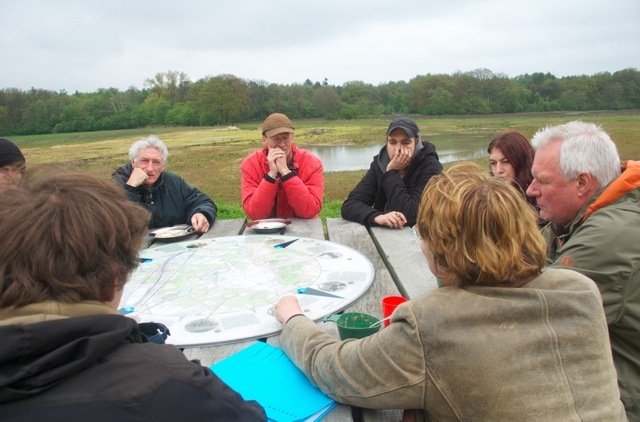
511	155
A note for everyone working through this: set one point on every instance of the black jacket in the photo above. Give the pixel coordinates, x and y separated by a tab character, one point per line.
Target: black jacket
97	368
171	200
386	191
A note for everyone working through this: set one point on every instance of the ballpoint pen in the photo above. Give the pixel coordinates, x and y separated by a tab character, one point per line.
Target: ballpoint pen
316	292
284	245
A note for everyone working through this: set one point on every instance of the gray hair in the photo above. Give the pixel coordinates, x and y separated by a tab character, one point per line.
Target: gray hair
586	148
149	142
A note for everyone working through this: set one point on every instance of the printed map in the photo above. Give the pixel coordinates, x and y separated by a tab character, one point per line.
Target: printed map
223	289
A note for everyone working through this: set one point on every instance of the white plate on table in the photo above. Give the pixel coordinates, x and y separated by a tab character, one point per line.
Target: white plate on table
172	234
269	225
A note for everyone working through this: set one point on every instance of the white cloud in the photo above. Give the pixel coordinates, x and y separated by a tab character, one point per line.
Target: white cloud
81	45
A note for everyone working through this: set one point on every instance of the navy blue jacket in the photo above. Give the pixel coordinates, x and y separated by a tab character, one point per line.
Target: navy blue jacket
171	200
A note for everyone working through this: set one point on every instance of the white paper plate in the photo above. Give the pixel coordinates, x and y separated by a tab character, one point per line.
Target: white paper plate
270	225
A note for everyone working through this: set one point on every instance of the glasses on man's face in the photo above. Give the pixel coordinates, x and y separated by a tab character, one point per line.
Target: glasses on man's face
281	138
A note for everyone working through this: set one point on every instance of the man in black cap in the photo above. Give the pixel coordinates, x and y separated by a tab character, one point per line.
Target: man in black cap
390	191
12	165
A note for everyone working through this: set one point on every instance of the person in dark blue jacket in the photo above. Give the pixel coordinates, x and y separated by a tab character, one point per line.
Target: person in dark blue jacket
167	196
390	191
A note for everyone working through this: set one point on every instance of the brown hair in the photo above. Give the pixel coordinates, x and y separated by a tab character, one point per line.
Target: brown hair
66	237
517	149
479	229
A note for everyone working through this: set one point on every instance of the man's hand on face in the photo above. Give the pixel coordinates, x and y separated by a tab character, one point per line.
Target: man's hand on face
138	176
401	159
277	160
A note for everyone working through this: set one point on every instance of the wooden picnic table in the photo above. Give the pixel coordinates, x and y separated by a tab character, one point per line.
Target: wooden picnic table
400	269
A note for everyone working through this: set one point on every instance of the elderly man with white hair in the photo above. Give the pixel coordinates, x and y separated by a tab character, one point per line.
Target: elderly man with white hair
167	196
594	211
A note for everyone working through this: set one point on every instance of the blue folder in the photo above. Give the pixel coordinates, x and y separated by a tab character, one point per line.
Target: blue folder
263	373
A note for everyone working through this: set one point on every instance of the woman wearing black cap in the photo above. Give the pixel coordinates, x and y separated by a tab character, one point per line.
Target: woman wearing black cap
389	193
12	165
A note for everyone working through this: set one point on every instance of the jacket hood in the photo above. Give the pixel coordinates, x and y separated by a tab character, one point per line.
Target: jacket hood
36	357
626	182
423	149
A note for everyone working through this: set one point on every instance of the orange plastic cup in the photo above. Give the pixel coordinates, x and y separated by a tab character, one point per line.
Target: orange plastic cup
389	304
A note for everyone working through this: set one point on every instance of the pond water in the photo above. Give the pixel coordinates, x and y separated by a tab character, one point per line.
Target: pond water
351	157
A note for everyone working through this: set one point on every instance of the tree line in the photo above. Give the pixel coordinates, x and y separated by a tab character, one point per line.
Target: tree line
172	99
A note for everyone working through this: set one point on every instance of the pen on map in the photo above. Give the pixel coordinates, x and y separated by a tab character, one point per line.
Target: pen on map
316	292
144	260
285	244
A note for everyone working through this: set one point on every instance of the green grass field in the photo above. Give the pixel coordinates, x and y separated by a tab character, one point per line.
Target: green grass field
209	157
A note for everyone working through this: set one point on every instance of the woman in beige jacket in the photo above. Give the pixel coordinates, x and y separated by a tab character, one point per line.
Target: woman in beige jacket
502	339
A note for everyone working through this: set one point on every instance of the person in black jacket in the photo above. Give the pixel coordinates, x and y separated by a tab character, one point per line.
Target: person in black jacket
12	165
68	243
390	191
167	196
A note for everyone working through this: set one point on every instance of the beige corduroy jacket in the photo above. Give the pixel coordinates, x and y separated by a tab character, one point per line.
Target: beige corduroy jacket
540	352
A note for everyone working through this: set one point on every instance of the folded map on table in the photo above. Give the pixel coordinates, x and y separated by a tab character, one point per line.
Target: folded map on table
263	373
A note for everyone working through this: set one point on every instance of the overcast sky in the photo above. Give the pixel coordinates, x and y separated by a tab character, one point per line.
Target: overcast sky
84	45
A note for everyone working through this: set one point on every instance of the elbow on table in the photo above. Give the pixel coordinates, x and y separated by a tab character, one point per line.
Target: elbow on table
309	213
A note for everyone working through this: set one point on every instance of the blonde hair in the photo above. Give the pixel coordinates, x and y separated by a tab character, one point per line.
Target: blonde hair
479	228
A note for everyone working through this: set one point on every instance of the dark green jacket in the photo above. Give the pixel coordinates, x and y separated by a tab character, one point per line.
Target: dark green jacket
603	243
171	200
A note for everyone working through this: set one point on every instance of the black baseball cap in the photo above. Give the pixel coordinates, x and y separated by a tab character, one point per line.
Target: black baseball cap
408	125
9	152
